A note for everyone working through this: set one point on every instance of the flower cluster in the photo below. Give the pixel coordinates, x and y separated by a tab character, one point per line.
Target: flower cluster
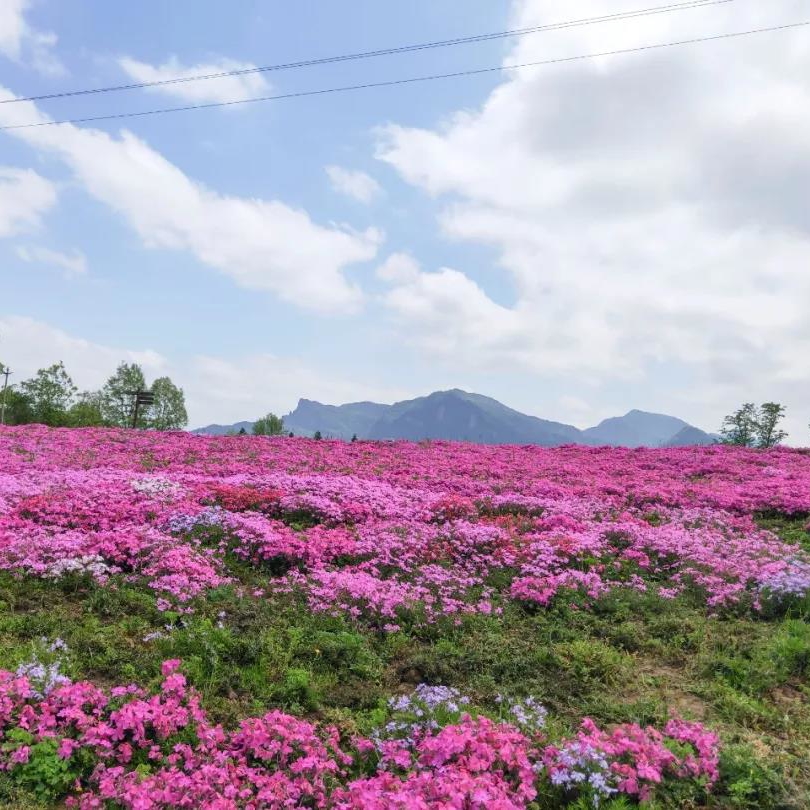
413	716
406	533
143	751
528	714
44	669
631	759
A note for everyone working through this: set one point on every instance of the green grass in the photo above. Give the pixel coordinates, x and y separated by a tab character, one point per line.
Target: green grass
631	657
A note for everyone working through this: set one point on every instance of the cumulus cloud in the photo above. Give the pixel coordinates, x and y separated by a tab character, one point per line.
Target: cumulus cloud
23	43
648	211
24	197
225	88
355	184
217	389
29	344
447	308
260	244
225	390
72	264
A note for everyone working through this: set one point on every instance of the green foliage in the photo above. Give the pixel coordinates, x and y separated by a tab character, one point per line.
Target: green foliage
752	426
117	406
629	657
296	691
169	409
270	425
317	435
17	407
50	397
46	775
50	393
86	410
768	432
747	781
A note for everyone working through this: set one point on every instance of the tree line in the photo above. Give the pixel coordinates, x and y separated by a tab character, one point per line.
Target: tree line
51	398
754	426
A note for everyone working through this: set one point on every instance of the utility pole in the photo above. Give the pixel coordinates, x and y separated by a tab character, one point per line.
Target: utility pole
6	372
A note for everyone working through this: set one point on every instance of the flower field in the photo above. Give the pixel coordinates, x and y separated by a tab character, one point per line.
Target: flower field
256	623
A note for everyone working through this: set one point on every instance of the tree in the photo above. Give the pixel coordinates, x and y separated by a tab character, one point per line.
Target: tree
50	393
169	409
317	435
752	426
18	408
270	425
86	410
739	428
117	406
768	432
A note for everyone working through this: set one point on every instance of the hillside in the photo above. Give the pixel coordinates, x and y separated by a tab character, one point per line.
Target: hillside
340	421
462	416
192	619
643	429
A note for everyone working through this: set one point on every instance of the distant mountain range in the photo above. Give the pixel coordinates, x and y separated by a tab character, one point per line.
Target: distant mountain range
460	416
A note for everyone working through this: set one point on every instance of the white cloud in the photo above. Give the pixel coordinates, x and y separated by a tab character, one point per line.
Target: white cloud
24	197
225	88
29	345
649	211
73	264
399	267
225	391
23	43
444	311
261	244
355	184
12	27
217	390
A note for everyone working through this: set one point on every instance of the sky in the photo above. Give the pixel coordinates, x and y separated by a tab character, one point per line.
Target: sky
575	239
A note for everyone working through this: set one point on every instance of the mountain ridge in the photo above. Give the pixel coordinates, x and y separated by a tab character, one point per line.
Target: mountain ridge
458	415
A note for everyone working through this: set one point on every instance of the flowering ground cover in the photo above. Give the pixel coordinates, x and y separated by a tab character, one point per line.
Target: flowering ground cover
250	622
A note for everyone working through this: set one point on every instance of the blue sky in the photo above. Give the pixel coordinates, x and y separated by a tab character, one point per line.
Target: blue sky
571	240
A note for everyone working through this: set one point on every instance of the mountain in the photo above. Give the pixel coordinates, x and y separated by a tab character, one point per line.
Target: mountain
636	429
460	416
223	430
690	437
338	421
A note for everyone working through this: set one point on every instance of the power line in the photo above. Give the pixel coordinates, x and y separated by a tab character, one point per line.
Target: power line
409	80
423	46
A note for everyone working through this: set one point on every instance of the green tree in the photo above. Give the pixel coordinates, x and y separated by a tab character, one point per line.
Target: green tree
270	425
768	432
169	410
752	426
50	393
317	435
86	411
17	407
116	404
740	428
